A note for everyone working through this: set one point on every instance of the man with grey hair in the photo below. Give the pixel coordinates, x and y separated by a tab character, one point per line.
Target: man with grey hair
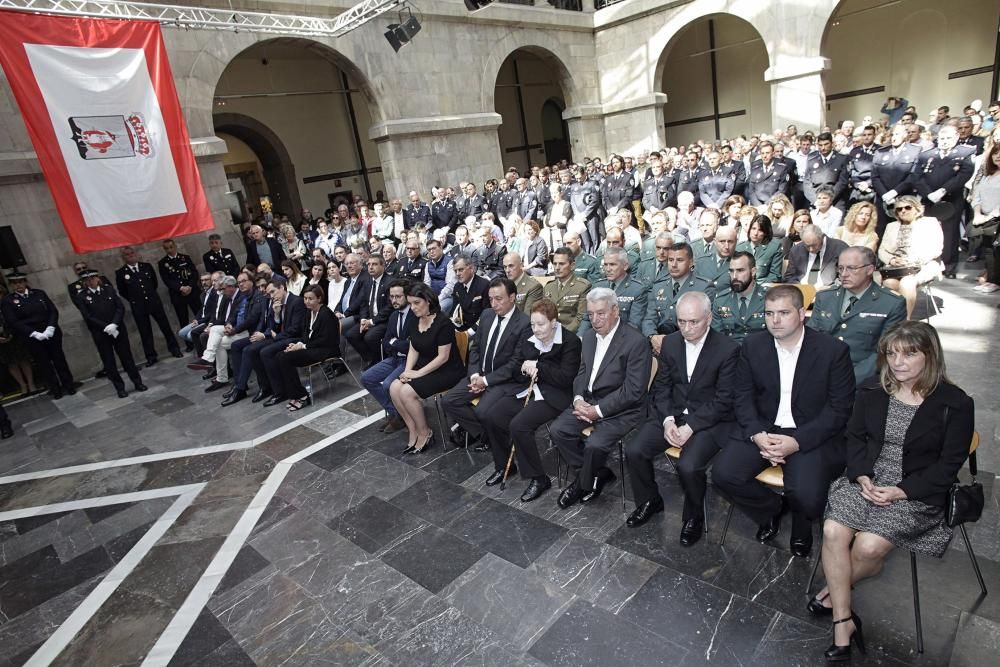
215	326
470	295
631	293
609	395
814	261
417	213
692	412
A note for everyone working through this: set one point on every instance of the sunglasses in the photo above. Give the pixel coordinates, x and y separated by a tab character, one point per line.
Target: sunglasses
904	207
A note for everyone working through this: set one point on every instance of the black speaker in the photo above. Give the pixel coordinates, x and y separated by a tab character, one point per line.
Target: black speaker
11	256
476	5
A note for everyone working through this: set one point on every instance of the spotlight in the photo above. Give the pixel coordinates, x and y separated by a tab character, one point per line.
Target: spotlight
401	33
476	5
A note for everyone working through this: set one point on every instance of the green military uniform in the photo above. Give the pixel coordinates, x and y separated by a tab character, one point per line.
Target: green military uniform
588	267
529	291
647	251
632	252
713	270
769	260
703	248
631	301
726	317
570	300
652	271
862	326
661	302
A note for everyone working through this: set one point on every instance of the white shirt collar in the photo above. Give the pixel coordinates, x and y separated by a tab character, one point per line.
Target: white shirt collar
610	333
557	339
795	350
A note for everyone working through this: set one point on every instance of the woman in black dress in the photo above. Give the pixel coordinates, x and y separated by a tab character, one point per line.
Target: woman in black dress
321	340
433	365
907	439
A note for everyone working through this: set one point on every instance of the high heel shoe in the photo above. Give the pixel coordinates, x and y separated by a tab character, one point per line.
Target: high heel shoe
843	653
409	448
428	443
816	608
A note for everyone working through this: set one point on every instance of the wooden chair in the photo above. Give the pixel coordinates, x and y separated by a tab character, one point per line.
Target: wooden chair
773	478
462	342
808	294
340	360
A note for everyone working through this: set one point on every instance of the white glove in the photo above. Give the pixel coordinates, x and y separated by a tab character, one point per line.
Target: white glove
111	330
49	332
937	195
37	335
889	196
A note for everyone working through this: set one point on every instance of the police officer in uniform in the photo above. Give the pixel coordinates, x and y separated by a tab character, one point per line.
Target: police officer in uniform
221	259
891	168
767	177
826	167
472	204
417	213
180	276
738	310
690	175
585	201
585	265
413	265
630	291
859	311
736	168
658	192
525	201
616	190
859	167
567	291
31	315
661	302
715	184
77	287
137	284
104	314
444	212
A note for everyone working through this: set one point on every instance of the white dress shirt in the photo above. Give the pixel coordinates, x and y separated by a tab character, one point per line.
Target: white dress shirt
787	360
818	257
603	342
498	321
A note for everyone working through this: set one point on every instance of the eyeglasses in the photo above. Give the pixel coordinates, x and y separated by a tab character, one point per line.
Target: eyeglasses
904	207
851	269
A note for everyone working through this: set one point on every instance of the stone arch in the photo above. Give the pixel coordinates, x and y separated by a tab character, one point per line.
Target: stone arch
498	56
279	172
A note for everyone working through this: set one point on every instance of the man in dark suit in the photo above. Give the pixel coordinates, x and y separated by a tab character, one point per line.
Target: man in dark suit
814	261
767	177
691	407
891	167
826	167
395	347
609	395
365	335
244	314
796	388
471	205
355	292
470	294
262	249
137	283
492	365
104	314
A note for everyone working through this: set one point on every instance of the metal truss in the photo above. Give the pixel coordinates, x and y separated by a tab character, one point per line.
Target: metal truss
212	19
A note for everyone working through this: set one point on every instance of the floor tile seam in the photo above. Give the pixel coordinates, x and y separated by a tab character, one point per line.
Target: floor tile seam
99	501
69	628
177	454
180	625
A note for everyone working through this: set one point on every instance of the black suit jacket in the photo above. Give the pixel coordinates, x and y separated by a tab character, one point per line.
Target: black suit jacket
277	254
359	296
798	261
325	332
934	448
473	301
294	322
622	380
709	395
381	300
504	369
396	339
556	368
822	389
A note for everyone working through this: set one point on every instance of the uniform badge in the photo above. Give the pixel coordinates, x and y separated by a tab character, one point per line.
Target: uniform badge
128	276
660	293
89	298
957	167
725	311
17	302
815	165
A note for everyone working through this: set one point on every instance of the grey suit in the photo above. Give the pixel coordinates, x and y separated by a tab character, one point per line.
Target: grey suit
619	392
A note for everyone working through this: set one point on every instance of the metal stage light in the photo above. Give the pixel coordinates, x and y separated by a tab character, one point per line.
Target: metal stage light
399	34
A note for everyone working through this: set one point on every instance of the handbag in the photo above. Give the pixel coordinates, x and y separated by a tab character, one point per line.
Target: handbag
965	501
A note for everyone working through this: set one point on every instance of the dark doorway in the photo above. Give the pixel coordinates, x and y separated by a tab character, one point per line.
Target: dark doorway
555	134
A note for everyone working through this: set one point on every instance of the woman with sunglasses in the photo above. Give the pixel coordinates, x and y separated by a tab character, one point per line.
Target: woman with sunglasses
911	250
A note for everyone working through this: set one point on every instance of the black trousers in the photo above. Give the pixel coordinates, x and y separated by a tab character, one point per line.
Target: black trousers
142	323
952	234
368	344
692	467
510	419
265	363
108	347
288	364
50	357
807	478
588	456
458	405
182	304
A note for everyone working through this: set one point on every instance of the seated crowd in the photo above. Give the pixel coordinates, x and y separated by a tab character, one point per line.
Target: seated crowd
661	298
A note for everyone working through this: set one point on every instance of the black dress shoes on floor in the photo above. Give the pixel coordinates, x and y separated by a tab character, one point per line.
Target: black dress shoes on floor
603	479
122	393
6	429
768	530
262	395
209	375
537	487
644	513
274	400
570	496
235	397
802	538
497	476
215	386
691	531
141	387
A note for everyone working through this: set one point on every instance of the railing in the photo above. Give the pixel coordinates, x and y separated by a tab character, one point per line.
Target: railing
601	4
568	5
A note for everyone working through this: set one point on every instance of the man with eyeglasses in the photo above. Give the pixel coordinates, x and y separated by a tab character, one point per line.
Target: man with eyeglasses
859	311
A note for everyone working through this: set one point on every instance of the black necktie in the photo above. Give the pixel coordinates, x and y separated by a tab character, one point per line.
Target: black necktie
371	299
612	286
491	346
743	307
850	304
677	288
814	271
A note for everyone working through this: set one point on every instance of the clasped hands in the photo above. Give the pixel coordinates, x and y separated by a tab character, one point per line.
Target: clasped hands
881	496
676	435
585	411
775	447
291	347
477	384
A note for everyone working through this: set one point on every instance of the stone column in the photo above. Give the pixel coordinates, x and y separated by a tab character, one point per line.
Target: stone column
635	125
586	130
418	153
797	95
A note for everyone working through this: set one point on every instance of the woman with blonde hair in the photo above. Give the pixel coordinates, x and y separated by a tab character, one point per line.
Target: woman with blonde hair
859	226
293	247
780	210
911	250
906	441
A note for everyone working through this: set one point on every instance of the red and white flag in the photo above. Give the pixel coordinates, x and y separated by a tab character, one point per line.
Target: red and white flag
99	102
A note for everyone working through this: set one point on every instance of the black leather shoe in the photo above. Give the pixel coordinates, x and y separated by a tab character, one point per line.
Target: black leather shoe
176	354
600	482
570	496
237	396
141	387
122	393
215	386
209	375
816	608
459	437
6	430
801	546
691	531
537	487
427	445
644	513
227	394
153	360
70	390
261	395
56	394
950	274
768	530
274	400
497	476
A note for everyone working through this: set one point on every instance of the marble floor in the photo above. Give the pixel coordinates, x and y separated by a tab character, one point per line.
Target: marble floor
164	530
